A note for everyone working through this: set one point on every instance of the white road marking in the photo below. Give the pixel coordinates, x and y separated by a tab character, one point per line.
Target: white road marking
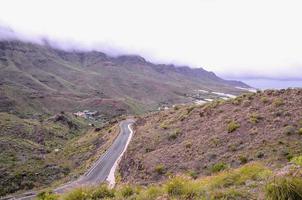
111	177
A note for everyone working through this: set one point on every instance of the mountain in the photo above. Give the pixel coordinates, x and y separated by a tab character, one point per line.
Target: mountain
37	79
43	143
264	127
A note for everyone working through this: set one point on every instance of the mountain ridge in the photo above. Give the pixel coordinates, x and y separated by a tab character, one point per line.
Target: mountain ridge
90	77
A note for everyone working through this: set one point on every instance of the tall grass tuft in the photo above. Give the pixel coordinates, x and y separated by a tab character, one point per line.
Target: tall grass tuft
284	188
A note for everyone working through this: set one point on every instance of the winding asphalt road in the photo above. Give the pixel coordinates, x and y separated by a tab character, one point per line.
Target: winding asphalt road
100	171
103	167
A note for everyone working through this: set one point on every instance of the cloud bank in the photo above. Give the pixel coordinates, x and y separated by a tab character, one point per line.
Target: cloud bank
234	38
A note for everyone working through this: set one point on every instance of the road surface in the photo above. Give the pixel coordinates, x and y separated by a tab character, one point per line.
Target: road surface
104	167
100	171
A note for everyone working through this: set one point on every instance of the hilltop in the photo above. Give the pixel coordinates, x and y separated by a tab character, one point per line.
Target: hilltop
201	140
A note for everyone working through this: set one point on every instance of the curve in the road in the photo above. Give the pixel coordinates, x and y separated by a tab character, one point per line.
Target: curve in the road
105	166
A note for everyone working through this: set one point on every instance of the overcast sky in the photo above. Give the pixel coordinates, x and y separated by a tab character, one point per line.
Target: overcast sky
233	38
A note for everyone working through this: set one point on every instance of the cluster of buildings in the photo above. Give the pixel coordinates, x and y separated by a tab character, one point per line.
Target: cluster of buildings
86	114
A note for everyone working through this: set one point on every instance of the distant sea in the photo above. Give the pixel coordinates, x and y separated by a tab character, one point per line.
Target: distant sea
272	84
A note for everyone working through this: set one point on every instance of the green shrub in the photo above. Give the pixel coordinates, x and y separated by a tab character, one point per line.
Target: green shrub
297	160
220	166
254	118
264	99
300	131
160	169
238	177
232	126
151	193
127	191
278	102
183	189
289	130
243	159
47	196
102	192
78	194
237	101
176	186
284	188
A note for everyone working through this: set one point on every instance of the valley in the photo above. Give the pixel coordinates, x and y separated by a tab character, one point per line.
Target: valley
65	129
59	110
150	100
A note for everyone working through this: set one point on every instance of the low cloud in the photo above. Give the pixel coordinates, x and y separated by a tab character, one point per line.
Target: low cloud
234	38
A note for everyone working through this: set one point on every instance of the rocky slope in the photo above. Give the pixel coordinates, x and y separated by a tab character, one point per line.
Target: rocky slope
38	153
202	140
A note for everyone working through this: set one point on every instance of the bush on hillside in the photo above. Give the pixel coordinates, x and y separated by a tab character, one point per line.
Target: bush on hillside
176	186
183	189
254	118
160	169
220	166
284	188
278	102
47	196
232	126
102	192
289	130
90	193
264	99
297	160
127	191
243	160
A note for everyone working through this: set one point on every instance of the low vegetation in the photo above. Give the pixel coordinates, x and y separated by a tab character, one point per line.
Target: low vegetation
254	118
297	160
246	182
218	167
160	169
232	126
282	188
289	130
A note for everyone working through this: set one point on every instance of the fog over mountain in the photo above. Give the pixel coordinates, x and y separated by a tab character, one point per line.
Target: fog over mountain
261	43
